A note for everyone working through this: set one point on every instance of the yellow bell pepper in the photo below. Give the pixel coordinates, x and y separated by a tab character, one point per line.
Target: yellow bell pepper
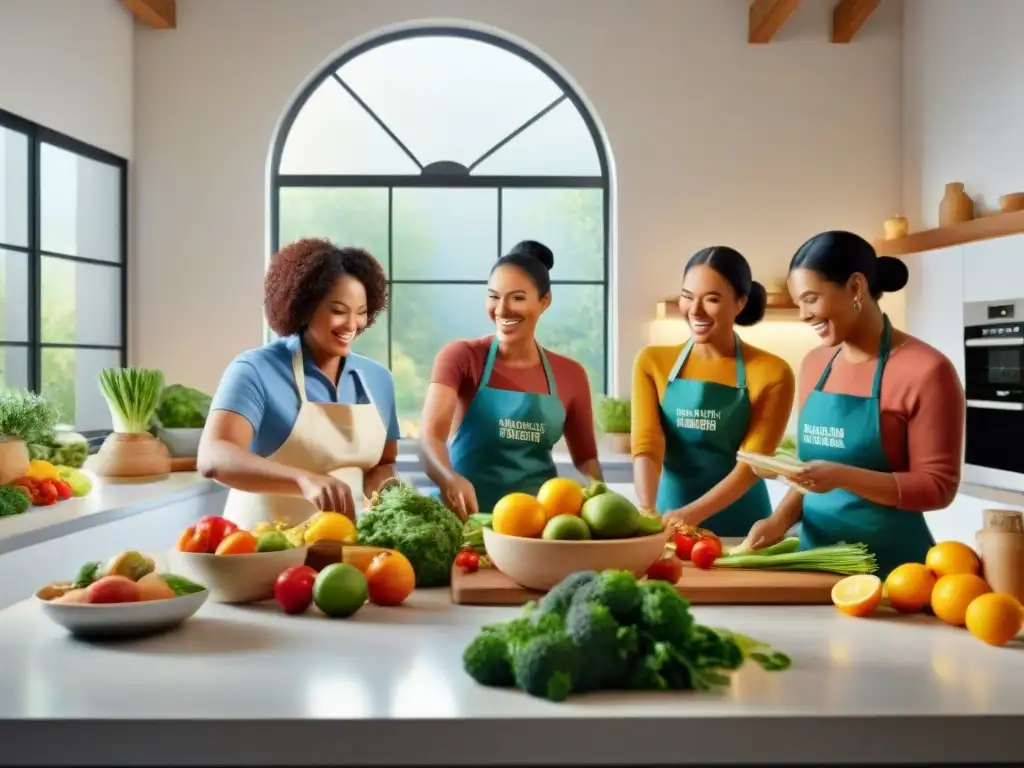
43	470
331	526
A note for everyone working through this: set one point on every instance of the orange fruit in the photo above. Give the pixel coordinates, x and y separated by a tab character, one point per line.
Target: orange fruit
390	578
995	618
949	557
909	587
238	543
561	496
858	595
953	593
519	514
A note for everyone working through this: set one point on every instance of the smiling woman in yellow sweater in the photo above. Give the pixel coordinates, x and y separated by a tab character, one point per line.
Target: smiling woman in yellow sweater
696	404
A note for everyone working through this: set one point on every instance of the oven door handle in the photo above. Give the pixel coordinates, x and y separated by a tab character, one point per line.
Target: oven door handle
996	405
994	342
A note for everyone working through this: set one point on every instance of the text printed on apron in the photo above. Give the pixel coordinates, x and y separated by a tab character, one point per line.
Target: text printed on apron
338	439
704	424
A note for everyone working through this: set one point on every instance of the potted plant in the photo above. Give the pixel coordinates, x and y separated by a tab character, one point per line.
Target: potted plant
179	419
130	453
614	418
25	417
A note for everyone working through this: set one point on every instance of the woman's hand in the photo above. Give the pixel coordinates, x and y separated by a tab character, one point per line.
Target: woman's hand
764	533
328	494
459	496
819	476
682	517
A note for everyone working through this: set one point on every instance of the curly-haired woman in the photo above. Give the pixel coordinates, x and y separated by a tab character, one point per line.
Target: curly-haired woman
303	423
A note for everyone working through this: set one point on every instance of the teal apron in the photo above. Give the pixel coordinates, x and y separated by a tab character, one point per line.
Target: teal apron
846	429
504	442
704	424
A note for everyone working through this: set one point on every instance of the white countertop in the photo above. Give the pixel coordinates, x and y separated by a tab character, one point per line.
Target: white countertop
386	687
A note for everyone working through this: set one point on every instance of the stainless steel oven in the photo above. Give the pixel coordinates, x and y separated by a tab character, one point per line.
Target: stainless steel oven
994	385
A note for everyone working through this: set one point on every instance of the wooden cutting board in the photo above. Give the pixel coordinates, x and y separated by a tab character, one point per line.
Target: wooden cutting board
713	587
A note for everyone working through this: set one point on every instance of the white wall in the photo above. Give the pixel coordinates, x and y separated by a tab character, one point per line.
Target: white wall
67	65
963	102
714	140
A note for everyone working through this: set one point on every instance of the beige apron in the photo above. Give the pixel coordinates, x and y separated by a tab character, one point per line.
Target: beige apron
335	439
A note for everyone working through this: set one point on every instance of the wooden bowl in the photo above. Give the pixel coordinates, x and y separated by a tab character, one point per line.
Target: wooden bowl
540	564
236	578
1012	202
131	458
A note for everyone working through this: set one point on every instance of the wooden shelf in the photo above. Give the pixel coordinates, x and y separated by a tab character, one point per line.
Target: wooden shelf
669	309
985	228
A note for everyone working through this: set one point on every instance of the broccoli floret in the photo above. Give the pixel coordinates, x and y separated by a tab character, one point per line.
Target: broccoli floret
487	660
547	666
595	633
557	601
664	613
706	648
620	592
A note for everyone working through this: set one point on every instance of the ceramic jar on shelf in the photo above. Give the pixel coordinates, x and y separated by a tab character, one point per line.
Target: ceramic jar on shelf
956	206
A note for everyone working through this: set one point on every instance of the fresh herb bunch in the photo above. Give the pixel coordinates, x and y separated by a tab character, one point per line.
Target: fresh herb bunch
132	395
614	415
26	416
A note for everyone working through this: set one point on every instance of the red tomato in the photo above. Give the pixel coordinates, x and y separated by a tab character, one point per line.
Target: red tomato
63	489
293	589
684	545
215	529
668	569
705	552
45	494
468	560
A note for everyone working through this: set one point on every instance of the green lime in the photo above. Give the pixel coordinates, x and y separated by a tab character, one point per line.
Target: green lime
565	528
272	541
611	516
650	525
340	590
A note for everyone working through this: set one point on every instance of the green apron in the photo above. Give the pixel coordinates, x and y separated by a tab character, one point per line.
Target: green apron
846	429
504	442
704	424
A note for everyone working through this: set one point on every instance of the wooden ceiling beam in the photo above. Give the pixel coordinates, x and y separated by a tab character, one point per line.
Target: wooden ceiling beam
849	16
158	14
767	18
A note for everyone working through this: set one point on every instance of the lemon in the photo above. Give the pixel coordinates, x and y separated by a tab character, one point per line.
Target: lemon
994	618
909	587
858	595
951	557
954	593
331	526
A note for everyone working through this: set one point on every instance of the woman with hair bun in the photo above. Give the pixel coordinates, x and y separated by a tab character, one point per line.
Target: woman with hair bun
503	400
881	417
696	404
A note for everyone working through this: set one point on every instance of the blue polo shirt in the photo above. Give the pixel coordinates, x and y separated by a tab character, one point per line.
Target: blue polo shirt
259	385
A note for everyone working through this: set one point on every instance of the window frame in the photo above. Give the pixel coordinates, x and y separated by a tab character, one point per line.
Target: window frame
436	173
37	135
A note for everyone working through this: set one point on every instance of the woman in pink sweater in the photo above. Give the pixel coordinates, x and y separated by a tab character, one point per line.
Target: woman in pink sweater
881	412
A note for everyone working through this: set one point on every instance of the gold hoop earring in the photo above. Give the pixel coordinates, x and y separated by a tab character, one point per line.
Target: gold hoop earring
857	305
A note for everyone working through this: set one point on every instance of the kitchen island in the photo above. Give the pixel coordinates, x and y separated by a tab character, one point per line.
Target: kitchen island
247	685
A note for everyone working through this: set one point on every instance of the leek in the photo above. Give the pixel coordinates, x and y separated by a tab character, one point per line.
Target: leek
843	559
132	395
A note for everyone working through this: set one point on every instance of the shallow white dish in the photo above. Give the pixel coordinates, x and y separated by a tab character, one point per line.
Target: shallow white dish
236	578
123	619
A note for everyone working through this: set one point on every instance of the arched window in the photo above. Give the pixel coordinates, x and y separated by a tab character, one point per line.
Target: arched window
437	150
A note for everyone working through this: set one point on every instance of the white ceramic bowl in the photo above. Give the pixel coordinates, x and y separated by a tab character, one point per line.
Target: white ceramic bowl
123	619
540	564
236	578
182	443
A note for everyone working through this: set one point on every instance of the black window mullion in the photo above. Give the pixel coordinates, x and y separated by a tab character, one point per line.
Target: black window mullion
35	266
391	269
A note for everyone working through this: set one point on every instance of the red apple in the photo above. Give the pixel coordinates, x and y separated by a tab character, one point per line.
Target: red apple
114	589
293	589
